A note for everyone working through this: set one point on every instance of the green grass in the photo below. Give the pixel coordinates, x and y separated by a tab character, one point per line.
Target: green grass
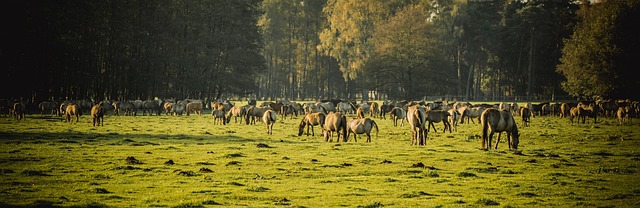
186	161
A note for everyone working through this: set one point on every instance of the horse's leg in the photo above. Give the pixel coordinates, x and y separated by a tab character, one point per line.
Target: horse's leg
498	140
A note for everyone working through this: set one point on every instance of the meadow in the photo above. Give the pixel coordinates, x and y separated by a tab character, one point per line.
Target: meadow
187	161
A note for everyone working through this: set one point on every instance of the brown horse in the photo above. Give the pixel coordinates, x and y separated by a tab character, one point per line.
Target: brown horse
72	110
360	113
526	116
374	110
361	126
195	106
437	116
416	116
335	122
97	115
311	120
269	118
236	112
499	121
453	119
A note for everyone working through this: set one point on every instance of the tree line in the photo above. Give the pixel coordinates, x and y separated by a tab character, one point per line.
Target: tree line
319	49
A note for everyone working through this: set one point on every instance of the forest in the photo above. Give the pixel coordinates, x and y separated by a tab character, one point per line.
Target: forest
320	49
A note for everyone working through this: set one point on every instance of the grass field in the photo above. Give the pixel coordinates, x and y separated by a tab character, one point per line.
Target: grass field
186	161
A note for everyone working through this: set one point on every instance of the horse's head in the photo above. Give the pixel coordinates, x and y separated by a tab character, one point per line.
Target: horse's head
301	127
514	140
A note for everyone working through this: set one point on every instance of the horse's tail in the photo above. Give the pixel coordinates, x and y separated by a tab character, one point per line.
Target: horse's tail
485	128
376	125
343	126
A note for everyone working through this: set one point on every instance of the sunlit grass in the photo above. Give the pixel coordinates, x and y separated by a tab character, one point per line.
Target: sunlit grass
186	161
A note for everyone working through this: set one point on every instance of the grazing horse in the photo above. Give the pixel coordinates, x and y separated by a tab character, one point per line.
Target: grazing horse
526	116
269	118
436	116
236	112
472	113
218	114
361	126
48	106
97	115
335	122
72	110
384	109
416	116
195	106
360	112
396	114
499	121
18	110
311	120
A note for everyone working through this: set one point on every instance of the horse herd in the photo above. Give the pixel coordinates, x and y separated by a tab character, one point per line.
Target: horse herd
331	115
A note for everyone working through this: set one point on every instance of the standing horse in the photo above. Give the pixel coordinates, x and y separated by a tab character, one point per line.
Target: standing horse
48	106
453	119
526	116
374	110
396	114
472	113
361	126
360	112
97	115
499	121
335	122
195	106
254	112
269	118
437	116
417	118
18	110
218	114
311	120
72	110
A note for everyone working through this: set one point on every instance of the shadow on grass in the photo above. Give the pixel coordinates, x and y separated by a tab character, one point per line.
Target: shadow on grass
45	204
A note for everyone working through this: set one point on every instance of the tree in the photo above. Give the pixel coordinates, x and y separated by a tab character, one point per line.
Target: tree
599	58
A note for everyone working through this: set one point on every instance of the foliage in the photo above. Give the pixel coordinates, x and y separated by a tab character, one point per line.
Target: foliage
598	58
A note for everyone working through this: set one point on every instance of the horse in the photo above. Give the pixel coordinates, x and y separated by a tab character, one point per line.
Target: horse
195	106
218	114
360	113
622	115
396	114
72	110
18	110
150	106
473	112
416	116
311	120
254	112
346	107
327	106
374	109
384	109
49	106
335	122
526	116
436	116
167	106
498	121
97	115
126	106
453	119
297	108
361	126
269	118
236	112
177	108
